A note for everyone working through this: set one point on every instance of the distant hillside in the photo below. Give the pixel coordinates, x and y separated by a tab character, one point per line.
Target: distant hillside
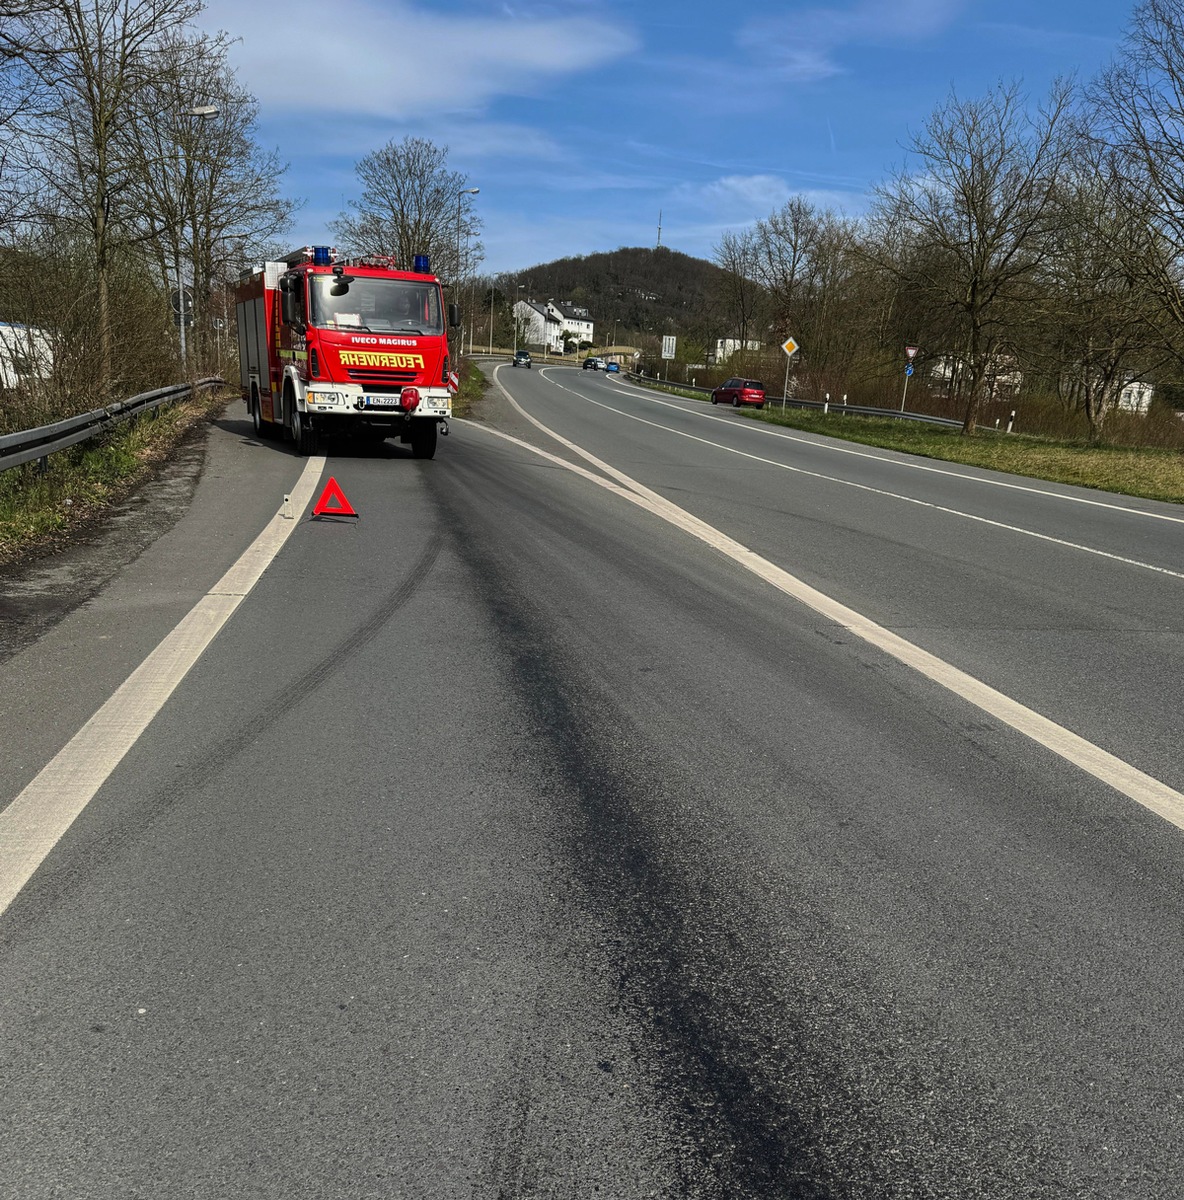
639	290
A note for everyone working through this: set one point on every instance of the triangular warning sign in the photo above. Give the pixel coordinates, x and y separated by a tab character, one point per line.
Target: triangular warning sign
333	502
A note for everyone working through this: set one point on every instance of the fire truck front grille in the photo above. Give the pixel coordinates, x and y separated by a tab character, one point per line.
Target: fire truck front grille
378	381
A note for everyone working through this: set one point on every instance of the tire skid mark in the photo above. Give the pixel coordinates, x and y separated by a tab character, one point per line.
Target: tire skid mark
757	1097
734	1134
49	886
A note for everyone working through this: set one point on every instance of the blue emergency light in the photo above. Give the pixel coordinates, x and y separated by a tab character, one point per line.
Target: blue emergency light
422	264
321	256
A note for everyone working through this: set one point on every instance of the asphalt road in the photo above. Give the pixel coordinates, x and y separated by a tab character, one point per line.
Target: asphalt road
509	841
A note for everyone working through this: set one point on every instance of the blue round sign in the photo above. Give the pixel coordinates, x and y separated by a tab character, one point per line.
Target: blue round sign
909	369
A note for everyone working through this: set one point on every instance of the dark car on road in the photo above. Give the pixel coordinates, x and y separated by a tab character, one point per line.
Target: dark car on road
522	359
592	364
740	391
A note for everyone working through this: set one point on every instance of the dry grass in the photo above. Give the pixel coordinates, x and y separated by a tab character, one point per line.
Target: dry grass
39	512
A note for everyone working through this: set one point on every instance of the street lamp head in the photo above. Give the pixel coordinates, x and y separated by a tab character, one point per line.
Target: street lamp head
202	110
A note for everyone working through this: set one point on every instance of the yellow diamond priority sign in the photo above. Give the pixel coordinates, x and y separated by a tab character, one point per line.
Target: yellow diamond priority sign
789	346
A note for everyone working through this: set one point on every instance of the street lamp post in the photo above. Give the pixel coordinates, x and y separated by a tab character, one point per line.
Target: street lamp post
459	204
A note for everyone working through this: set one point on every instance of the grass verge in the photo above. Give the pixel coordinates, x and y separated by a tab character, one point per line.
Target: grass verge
1149	474
472	387
40	512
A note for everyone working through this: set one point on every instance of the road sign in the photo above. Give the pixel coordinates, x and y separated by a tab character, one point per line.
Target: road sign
182	300
789	346
668	345
909	369
911	351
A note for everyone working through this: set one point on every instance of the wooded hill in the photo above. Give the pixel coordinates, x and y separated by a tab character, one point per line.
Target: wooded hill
640	291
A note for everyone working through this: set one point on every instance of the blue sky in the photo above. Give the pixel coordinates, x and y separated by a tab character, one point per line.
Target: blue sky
581	121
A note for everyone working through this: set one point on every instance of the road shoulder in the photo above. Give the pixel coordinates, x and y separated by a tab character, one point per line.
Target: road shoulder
93	614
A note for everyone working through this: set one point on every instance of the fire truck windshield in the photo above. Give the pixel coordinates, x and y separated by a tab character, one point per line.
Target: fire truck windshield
391	305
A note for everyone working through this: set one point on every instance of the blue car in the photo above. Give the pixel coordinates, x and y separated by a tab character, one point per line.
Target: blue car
613	368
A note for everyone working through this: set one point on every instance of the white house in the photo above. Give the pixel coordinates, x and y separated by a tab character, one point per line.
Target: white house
573	319
25	354
539	326
1135	397
1003	377
726	347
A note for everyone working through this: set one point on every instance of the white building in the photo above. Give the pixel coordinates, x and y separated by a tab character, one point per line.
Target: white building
573	319
25	355
726	347
1135	397
1002	378
538	327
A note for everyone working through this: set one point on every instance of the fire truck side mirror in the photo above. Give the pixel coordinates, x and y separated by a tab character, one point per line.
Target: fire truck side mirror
454	315
290	304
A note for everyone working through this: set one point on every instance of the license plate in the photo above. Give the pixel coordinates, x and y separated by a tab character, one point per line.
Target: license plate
381	401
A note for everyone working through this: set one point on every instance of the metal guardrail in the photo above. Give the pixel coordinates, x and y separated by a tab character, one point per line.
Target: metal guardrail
31	444
817	405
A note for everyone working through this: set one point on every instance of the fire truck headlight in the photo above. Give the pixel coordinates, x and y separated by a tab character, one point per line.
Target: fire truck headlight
326	397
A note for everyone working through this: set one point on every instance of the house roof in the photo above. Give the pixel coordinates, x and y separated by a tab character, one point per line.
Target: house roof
541	310
574	312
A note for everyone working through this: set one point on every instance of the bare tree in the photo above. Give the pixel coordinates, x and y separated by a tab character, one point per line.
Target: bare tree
808	266
738	255
979	210
87	60
1140	101
413	204
1098	323
206	196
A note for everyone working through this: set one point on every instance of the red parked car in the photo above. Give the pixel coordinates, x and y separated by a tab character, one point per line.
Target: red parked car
740	391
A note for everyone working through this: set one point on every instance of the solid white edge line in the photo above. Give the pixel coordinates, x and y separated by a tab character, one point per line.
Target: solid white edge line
835	446
863	487
35	821
1124	778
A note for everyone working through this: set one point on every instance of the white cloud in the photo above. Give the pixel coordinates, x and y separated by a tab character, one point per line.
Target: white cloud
737	197
805	46
399	61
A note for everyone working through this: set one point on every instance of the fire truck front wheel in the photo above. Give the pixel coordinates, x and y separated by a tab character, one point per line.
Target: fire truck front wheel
303	434
423	439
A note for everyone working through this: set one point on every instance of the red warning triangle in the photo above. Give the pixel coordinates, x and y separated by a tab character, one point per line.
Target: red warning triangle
333	502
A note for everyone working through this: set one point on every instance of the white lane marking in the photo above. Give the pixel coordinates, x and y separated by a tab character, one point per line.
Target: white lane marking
1129	781
34	822
834	448
863	487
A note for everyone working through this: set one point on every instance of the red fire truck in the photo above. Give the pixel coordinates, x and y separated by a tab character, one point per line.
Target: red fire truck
355	347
